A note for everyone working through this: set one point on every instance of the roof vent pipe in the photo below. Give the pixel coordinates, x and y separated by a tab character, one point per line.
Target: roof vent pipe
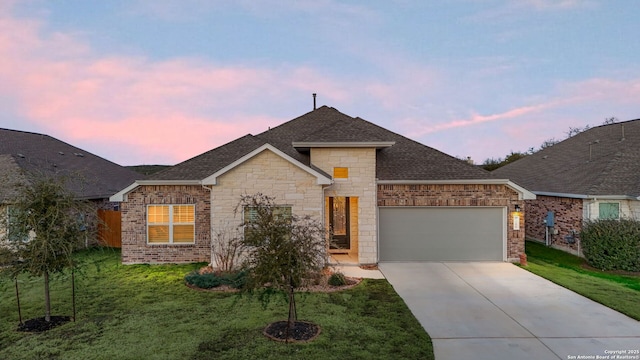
622	132
314	101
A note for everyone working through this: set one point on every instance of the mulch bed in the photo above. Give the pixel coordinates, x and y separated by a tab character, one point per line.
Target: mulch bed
302	331
321	286
40	324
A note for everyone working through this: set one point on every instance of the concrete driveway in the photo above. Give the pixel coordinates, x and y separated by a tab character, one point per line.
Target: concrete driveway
500	311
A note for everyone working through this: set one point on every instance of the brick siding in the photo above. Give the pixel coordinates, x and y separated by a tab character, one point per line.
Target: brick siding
568	216
460	195
135	249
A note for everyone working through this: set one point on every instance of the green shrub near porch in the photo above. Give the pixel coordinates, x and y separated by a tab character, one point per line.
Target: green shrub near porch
612	244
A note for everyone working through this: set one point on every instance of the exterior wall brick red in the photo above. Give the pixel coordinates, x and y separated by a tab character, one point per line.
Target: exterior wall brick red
135	249
461	195
568	217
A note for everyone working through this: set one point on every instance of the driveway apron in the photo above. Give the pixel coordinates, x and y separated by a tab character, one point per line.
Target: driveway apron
490	310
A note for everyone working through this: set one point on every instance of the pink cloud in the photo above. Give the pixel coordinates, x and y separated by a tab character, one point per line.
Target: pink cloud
155	111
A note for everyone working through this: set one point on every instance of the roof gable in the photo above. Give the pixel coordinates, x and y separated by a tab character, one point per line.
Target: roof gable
604	160
322	179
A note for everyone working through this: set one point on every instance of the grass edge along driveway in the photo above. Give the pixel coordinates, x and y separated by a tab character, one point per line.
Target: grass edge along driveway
617	291
146	311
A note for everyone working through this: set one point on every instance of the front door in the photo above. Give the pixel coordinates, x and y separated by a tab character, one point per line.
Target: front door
339	223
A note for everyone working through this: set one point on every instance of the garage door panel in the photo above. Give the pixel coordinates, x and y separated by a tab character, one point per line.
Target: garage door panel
441	234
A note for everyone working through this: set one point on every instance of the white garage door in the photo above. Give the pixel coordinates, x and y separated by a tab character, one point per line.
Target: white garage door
442	233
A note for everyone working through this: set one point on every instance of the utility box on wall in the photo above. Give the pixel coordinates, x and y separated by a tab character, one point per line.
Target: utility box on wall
550	219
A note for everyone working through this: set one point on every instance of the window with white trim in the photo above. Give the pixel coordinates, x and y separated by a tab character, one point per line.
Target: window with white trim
13	231
609	211
251	214
170	224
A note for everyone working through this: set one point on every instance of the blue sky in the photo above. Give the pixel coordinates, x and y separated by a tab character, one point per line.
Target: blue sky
158	82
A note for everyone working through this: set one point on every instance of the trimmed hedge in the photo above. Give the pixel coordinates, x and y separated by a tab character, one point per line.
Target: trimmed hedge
210	280
612	244
337	279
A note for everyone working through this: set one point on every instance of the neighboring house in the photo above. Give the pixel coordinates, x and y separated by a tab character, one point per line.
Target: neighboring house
385	197
592	175
90	177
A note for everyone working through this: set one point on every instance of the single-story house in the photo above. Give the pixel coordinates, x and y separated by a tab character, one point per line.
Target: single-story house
90	177
385	197
592	175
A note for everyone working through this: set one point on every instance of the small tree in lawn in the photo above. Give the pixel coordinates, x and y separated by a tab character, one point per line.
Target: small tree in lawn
283	250
45	224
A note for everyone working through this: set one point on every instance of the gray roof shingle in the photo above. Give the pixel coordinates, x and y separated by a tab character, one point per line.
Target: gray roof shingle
92	177
598	161
405	160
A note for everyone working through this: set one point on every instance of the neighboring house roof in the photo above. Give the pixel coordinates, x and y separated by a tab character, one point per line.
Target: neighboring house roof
601	161
399	158
92	177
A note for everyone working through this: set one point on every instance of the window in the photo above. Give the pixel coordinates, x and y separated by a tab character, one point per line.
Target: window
340	173
609	211
171	224
251	214
14	231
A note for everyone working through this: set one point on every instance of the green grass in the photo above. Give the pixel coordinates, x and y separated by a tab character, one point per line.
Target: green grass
619	292
146	312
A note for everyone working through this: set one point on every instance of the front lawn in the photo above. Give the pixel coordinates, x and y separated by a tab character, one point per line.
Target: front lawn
620	292
146	312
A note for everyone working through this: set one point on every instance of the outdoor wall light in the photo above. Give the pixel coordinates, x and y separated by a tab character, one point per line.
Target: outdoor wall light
517	208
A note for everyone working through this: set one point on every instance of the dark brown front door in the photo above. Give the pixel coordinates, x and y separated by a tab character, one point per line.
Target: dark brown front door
339	223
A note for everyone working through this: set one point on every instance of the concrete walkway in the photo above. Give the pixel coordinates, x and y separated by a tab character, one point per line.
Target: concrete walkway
500	311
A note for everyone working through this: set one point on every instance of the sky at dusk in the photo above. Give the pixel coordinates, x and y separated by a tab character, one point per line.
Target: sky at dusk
158	82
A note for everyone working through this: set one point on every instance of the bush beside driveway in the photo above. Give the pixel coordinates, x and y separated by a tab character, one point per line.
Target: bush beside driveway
618	290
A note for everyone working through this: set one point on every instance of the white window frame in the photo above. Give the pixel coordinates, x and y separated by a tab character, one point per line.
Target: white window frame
246	211
6	227
610	202
171	223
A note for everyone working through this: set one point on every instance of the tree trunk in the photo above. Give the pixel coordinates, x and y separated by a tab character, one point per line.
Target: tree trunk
47	299
293	316
293	313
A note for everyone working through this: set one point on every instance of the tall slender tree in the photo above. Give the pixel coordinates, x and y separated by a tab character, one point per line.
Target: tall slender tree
44	225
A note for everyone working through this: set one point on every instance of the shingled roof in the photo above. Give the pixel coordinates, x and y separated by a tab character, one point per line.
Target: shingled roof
398	157
24	154
603	160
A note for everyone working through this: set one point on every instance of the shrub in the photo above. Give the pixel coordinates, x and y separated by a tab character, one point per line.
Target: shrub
337	279
235	280
612	244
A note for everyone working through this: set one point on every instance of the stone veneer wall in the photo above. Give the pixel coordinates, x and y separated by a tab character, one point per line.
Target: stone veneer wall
461	195
568	216
361	183
269	174
135	249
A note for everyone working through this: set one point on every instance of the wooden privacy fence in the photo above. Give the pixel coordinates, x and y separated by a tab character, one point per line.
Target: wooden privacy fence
109	233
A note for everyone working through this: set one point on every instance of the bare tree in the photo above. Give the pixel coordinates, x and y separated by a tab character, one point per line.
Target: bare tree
227	248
